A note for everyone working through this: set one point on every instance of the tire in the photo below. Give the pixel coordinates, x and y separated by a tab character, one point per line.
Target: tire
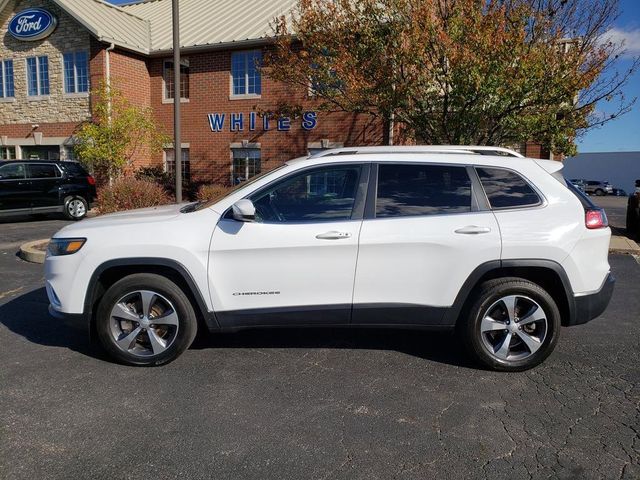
599	192
164	331
75	208
484	339
633	216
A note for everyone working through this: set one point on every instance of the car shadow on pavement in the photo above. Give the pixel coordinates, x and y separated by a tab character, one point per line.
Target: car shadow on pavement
28	316
440	347
32	218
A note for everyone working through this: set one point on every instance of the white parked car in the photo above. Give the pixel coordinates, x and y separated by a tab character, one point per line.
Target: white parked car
497	247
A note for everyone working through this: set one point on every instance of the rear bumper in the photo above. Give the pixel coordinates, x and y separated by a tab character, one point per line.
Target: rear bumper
588	307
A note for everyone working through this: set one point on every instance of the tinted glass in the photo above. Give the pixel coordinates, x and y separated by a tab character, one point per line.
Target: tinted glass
13	171
506	189
74	169
584	200
43	171
316	195
405	190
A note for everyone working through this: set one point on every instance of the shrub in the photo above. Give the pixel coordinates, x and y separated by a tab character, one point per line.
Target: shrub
209	192
129	193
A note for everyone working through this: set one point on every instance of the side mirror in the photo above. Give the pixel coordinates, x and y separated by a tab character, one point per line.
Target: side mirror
244	210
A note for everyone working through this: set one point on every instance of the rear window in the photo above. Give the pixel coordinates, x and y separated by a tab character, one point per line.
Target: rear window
74	169
406	190
584	200
507	189
43	170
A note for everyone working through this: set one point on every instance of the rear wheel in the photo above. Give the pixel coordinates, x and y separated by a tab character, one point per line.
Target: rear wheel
512	325
75	208
145	320
599	192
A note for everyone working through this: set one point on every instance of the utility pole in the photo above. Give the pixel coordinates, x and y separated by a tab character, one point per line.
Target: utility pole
177	143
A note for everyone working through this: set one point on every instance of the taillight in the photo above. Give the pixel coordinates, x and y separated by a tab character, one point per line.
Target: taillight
596	218
91	180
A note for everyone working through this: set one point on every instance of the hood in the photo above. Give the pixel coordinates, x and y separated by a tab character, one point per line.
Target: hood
128	217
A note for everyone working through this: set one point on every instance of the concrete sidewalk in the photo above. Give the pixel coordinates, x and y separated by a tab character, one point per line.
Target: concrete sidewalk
620	244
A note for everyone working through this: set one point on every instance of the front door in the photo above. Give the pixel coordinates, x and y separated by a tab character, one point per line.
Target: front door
14	187
296	263
425	236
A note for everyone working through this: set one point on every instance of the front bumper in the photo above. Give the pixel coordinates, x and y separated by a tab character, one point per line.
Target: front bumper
588	307
77	321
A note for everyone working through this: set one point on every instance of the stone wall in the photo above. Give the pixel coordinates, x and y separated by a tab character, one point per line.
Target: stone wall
57	107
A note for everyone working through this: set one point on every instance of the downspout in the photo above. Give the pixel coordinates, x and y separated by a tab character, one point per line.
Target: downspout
107	74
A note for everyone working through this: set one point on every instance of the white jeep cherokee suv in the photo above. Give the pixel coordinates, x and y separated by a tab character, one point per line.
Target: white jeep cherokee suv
497	247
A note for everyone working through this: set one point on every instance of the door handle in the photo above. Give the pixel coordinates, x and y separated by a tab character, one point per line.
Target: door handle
333	235
473	230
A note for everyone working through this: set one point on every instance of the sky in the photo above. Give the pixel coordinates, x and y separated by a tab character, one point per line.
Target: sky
623	133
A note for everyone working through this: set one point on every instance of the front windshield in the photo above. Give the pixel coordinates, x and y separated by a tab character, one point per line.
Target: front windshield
235	188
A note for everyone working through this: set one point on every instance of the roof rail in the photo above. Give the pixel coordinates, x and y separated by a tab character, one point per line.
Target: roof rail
437	149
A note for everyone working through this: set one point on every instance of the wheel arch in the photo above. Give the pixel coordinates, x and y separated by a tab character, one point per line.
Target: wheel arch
547	273
113	270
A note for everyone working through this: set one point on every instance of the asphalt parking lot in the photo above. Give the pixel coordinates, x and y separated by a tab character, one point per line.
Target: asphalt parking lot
314	404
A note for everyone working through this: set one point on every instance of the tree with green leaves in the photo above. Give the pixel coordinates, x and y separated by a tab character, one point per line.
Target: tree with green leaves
116	134
485	72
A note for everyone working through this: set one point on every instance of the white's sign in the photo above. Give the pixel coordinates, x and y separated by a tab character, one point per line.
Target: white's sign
238	122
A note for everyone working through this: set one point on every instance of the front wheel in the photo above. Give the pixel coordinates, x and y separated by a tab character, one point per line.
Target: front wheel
75	208
513	325
599	192
145	320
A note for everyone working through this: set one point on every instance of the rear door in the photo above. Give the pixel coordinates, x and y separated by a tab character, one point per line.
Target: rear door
423	235
14	187
45	181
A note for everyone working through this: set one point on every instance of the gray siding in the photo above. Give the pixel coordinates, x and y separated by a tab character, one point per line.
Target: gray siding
621	169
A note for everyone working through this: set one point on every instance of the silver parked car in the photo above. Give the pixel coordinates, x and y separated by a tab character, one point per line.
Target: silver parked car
596	187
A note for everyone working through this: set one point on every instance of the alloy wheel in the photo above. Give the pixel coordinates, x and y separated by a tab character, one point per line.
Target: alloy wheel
143	323
76	208
513	327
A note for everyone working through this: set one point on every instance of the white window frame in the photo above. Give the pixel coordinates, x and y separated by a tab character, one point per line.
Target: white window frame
241	96
184	62
75	75
3	152
235	148
165	161
3	78
38	96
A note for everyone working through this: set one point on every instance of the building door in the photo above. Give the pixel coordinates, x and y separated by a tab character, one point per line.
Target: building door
41	153
296	263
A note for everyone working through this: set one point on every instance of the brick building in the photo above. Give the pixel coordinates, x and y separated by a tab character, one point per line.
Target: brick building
54	51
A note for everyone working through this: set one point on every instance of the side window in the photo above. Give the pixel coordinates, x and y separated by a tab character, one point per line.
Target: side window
323	194
406	190
13	171
507	189
41	170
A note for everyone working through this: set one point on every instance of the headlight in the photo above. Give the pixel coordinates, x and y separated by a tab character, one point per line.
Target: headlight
65	246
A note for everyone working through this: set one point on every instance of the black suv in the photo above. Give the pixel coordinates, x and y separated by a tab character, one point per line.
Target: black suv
37	186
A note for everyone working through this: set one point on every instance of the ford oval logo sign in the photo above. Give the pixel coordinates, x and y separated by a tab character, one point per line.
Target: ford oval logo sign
32	24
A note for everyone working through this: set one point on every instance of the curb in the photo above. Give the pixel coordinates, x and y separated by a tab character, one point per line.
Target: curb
30	253
623	245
